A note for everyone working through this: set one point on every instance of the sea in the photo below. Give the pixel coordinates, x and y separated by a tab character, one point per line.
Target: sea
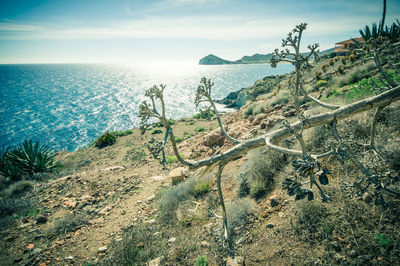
67	106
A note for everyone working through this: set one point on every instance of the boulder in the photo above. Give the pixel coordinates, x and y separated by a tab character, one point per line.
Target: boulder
214	138
177	175
155	262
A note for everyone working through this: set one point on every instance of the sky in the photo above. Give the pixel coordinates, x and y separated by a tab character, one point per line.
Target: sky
131	31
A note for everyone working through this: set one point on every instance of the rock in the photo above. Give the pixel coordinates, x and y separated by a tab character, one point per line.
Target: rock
155	262
102	249
270	225
177	175
139	201
105	210
96	221
114	168
275	200
258	119
123	212
86	197
69	258
366	197
41	219
353	253
158	178
214	138
152	197
156	233
172	240
152	221
37	251
205	244
237	261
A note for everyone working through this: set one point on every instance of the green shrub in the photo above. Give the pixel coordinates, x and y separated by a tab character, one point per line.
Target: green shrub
107	139
249	110
201	261
172	158
204	115
258	189
201	188
18	188
122	133
179	139
200	129
321	83
156	131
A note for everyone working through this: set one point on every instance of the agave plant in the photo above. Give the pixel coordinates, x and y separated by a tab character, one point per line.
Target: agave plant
33	158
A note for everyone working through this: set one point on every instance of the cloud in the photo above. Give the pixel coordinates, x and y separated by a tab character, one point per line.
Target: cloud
192	27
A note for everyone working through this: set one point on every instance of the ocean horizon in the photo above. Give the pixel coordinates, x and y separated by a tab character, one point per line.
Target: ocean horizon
67	106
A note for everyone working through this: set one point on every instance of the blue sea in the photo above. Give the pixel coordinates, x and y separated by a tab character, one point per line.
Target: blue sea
68	105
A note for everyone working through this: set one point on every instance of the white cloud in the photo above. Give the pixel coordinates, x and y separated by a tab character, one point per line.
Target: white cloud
194	27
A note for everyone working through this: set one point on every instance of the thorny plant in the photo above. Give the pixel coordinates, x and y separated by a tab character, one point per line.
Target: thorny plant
309	165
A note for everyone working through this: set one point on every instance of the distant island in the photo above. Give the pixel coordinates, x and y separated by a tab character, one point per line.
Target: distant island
254	59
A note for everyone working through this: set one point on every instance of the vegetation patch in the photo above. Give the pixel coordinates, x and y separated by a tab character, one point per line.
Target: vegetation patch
107	139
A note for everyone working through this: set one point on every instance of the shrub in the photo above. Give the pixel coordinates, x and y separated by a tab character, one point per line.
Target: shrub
204	115
122	133
172	158
201	261
138	246
249	111
200	129
237	213
18	188
281	98
313	221
172	198
201	188
156	131
258	189
321	83
257	173
68	223
179	139
107	139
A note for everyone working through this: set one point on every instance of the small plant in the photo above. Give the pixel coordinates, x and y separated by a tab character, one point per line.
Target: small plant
249	111
281	98
18	188
258	189
201	261
321	83
238	212
382	239
171	200
201	188
200	129
172	158
107	139
179	139
68	223
123	133
204	115
156	131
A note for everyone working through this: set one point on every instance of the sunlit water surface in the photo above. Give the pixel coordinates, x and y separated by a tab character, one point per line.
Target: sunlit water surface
69	105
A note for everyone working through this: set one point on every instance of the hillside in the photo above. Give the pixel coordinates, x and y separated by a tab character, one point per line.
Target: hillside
119	206
253	59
